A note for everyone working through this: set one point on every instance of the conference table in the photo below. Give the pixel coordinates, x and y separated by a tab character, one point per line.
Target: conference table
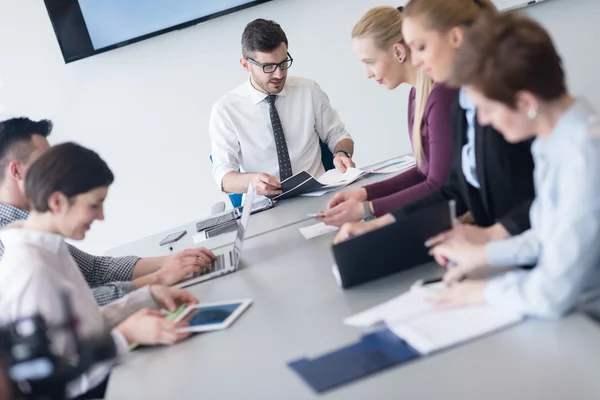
297	311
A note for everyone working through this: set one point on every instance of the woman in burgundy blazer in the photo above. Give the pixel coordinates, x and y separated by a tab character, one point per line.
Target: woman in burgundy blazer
379	44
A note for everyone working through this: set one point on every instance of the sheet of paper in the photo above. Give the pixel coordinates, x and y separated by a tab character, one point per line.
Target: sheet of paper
335	177
436	330
313	231
199	238
403	307
395	165
428	329
327	189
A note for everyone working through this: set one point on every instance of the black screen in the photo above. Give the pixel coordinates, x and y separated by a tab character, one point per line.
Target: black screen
87	27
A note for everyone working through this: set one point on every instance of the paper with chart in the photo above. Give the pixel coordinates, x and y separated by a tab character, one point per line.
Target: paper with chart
395	165
427	329
304	183
316	230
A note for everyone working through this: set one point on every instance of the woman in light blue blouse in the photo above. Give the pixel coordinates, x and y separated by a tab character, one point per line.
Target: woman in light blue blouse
510	67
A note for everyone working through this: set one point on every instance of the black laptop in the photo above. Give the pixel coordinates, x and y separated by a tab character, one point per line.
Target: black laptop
393	248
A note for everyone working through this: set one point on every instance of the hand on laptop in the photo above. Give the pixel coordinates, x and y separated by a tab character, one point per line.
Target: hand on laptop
179	265
266	185
171	298
351	229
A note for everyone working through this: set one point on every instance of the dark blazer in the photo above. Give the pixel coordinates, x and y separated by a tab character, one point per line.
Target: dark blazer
505	174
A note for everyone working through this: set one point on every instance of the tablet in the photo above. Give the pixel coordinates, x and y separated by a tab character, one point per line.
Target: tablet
212	316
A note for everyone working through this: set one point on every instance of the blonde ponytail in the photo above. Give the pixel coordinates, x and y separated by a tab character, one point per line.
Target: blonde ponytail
422	91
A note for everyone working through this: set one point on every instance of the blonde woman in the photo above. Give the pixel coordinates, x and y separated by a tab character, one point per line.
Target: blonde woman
490	177
379	44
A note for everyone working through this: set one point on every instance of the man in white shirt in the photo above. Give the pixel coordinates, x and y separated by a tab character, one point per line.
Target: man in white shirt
269	128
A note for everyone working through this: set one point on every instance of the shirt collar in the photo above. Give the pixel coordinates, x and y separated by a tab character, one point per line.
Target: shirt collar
15	234
571	120
465	101
10	214
256	96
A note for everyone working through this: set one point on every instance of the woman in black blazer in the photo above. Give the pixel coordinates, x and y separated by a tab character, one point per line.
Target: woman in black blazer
504	171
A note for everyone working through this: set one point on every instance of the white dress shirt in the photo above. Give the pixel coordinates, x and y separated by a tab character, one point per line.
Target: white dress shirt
564	239
35	271
469	161
242	135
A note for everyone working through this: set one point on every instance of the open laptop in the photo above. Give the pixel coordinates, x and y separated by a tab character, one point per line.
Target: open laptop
227	261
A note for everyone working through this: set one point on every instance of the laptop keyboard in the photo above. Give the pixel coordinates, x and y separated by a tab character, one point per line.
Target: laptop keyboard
219	264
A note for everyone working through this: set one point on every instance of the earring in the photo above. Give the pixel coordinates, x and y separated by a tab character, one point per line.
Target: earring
531	114
401	59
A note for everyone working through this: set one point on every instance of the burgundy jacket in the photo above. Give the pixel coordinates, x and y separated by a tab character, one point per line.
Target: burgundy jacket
403	189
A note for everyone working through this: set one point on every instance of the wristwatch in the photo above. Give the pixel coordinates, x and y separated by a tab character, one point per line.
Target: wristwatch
343	151
368	214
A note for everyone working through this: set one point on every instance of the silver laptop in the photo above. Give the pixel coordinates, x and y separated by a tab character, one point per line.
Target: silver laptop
227	261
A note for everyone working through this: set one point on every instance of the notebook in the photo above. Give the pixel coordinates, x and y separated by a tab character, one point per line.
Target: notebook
428	329
304	183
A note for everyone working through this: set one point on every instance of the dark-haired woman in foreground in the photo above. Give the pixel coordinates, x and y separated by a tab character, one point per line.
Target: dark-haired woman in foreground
66	187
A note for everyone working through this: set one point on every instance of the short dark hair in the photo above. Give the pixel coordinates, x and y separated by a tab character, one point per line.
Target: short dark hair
67	168
15	139
508	53
262	35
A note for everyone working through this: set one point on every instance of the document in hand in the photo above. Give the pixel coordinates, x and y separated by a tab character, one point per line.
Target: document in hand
428	329
305	183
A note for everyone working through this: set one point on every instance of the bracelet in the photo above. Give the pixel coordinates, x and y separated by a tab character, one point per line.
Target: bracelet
368	214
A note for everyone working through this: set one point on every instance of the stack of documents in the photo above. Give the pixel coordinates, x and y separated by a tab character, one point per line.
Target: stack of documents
304	183
396	165
428	329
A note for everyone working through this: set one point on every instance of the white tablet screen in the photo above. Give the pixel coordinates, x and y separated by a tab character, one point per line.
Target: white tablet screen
212	314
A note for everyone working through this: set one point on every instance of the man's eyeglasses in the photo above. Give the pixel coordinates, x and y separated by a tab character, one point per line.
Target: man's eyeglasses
270	68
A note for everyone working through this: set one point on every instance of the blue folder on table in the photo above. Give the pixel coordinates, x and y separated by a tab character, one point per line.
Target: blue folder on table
372	353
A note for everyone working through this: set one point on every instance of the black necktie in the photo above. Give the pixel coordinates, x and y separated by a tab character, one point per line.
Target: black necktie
283	156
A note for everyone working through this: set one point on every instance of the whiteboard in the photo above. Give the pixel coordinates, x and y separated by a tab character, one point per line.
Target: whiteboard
510	4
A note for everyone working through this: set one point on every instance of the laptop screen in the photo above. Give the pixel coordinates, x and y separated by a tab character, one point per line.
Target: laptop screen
241	233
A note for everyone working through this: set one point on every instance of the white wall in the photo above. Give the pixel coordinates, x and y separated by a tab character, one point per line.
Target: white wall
145	107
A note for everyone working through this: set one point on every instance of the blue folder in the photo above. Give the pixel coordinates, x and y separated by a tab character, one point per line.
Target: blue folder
372	353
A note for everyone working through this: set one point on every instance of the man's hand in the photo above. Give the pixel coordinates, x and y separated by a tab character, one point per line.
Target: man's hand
339	198
171	298
348	211
342	162
178	266
265	184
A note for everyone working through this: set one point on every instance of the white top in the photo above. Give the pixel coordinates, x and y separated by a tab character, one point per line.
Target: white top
564	239
242	135
35	271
